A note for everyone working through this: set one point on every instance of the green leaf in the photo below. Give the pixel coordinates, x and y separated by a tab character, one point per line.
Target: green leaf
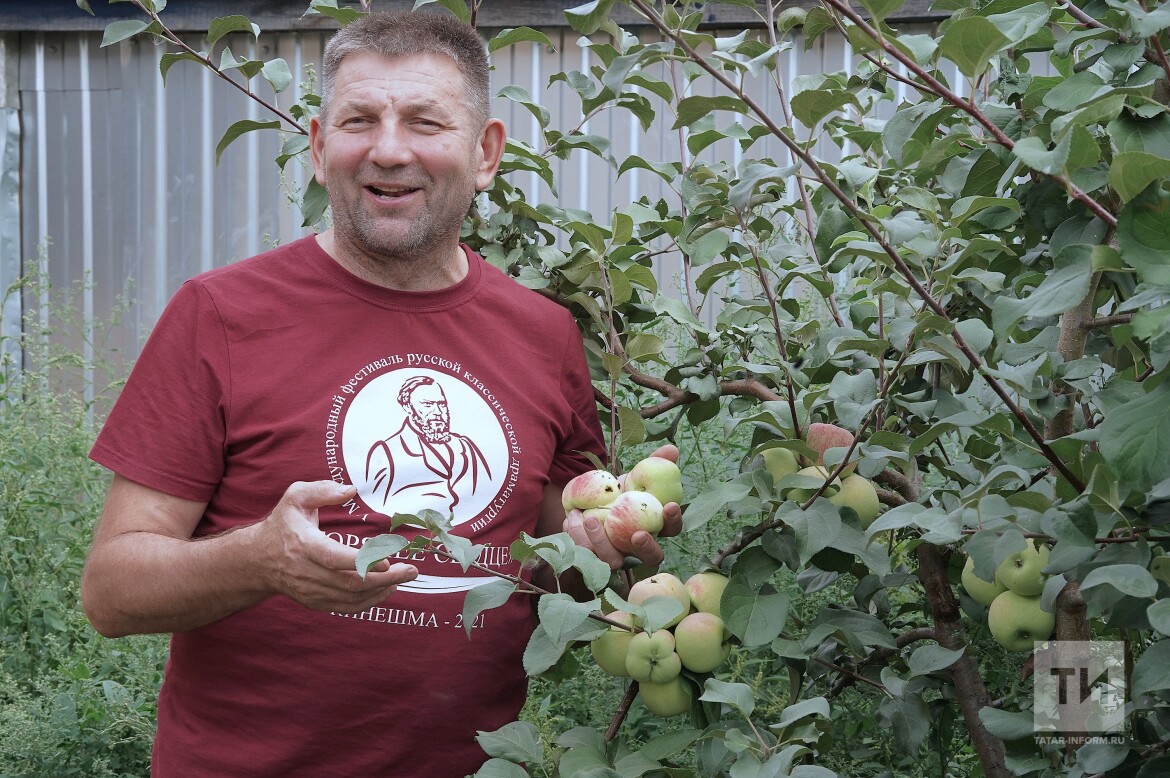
170	58
816	528
277	73
376	549
712	500
313	203
971	42
1159	616
492	594
1006	724
691	109
1143	234
542	652
120	31
815	706
587	19
1132	171
755	616
500	768
1135	439
737	695
238	129
514	35
1134	580
330	8
879	9
225	25
813	105
518	741
84	5
1061	290
932	658
1151	672
457	7
561	615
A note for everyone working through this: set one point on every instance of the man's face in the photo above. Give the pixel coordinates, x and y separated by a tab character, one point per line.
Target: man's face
400	155
429	414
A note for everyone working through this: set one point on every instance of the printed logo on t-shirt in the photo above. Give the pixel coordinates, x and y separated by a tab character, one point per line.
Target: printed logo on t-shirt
415	432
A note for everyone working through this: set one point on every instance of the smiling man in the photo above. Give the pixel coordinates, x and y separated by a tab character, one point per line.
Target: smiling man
242	435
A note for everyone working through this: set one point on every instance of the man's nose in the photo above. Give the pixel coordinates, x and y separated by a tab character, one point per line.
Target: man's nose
391	146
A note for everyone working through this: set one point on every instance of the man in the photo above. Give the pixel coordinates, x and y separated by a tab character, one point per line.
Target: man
423	461
233	521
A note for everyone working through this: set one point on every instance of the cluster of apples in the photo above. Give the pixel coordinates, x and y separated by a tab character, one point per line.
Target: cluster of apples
1014	615
849	489
696	640
624	509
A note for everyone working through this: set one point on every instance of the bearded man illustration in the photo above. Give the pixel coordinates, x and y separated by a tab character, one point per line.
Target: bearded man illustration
424	464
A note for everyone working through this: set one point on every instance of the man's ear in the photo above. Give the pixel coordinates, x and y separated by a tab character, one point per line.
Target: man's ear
317	149
491	150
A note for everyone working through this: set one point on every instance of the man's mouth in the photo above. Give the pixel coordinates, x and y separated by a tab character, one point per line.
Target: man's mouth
391	192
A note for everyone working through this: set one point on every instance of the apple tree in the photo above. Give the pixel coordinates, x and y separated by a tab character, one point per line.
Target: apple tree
965	304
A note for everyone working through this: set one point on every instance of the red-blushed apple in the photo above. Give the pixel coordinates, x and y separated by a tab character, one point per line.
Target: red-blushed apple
1017	621
658	476
593	489
779	462
859	494
651	657
706	590
821	437
610	650
802	495
702	642
979	590
672	698
1023	571
631	512
662	585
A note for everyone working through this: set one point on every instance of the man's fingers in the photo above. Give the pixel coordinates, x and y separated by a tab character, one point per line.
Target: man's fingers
671	520
309	495
667	451
590	534
647	549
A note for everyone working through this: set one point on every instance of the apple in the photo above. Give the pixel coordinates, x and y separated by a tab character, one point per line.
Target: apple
660	477
631	512
662	585
821	437
672	698
593	489
651	657
610	650
701	642
802	495
706	590
1022	572
859	494
1017	621
779	462
981	591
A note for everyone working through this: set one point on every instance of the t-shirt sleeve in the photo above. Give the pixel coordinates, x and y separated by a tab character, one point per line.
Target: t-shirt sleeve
583	430
167	429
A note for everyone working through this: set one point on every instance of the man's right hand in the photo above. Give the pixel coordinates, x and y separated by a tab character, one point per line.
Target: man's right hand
303	563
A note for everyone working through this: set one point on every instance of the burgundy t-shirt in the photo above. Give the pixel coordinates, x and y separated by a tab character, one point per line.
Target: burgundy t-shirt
285	367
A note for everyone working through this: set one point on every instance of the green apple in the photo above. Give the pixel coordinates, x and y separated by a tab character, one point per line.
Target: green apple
779	462
1160	568
652	658
706	590
1017	621
672	698
702	642
660	477
629	513
1022	572
981	591
662	585
802	495
821	437
859	494
590	490
610	650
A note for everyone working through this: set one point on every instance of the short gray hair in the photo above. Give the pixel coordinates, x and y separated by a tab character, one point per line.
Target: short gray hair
403	34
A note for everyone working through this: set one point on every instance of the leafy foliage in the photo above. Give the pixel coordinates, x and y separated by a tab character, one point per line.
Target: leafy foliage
974	286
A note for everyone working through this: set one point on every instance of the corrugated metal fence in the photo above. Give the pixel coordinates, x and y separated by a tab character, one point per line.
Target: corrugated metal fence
119	195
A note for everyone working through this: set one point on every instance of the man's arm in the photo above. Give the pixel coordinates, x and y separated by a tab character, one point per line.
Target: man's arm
146	573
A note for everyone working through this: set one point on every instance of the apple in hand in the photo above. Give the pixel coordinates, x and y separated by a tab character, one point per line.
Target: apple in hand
662	585
981	591
1023	571
593	489
611	649
672	698
706	590
701	642
652	658
632	512
859	494
658	476
821	437
1017	621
